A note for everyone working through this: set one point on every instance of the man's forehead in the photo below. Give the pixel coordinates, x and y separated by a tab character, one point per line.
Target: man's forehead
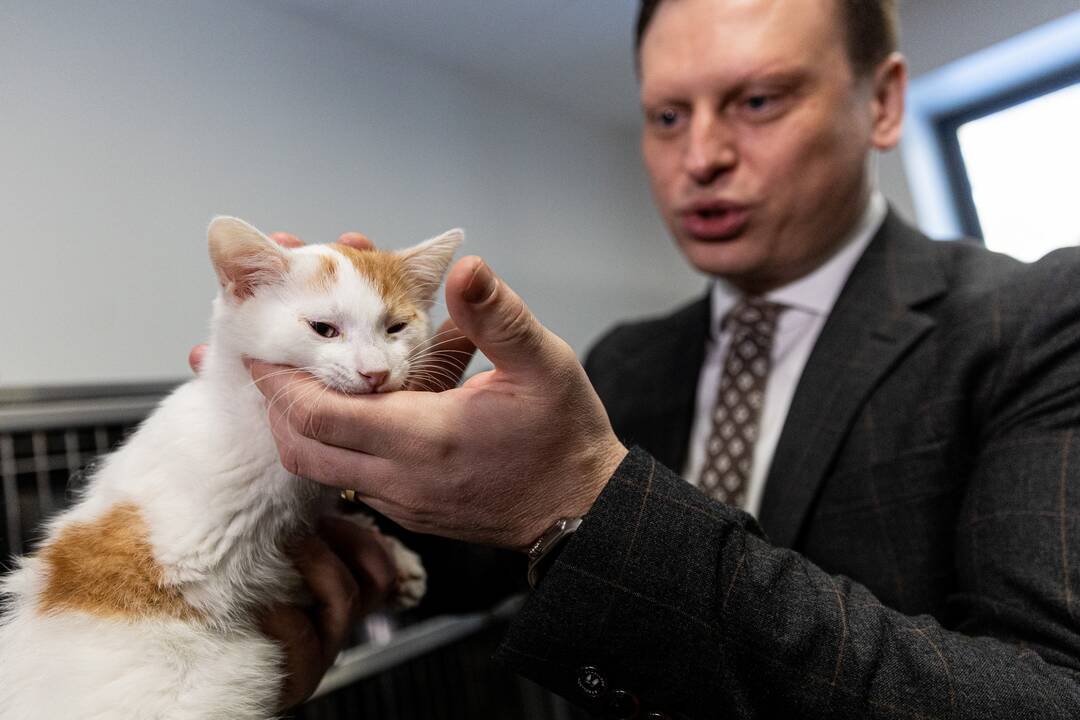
736	37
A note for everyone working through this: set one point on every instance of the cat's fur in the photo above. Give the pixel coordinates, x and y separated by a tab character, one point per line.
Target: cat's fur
141	602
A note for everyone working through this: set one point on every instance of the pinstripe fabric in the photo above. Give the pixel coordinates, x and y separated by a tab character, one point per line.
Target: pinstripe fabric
919	548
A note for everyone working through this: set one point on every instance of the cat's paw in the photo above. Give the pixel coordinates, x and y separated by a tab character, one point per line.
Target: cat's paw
411	582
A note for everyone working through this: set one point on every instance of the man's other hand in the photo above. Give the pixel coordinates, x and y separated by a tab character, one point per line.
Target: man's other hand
349	571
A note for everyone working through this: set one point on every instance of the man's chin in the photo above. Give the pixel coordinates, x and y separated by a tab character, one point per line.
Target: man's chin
728	259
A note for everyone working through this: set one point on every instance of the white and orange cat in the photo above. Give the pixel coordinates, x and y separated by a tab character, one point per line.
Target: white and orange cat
141	602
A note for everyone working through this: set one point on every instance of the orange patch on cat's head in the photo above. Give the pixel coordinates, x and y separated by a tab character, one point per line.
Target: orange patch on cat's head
107	568
325	273
386	272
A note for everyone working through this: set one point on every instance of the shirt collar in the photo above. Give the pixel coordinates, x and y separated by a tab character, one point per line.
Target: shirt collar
816	292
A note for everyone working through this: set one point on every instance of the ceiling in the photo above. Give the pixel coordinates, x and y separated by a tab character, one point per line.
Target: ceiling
577	53
571	53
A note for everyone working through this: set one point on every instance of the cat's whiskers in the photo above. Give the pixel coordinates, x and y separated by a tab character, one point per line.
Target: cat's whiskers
445	378
304	395
434	365
451	376
439	335
283	390
438	360
446	354
431	346
315	406
454	358
284	371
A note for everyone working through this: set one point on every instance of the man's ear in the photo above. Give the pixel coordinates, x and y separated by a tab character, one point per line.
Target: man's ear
890	87
243	257
427	263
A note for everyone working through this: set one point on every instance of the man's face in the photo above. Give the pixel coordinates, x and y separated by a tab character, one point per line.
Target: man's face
756	134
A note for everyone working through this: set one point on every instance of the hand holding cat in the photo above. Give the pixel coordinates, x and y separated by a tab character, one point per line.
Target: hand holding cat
495	461
350	572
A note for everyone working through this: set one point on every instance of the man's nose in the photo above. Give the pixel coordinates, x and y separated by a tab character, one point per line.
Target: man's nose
374	378
710	148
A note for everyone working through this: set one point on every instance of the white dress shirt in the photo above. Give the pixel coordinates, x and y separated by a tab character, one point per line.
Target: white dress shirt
808	302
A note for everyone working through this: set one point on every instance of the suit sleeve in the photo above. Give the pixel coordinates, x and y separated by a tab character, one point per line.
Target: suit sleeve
665	601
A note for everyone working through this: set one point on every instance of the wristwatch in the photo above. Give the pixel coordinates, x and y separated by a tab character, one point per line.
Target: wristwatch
544	550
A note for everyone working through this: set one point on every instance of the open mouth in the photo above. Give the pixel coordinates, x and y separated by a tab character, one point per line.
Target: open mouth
716	222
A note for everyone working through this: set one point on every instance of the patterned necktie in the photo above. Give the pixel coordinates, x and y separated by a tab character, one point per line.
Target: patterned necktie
729	456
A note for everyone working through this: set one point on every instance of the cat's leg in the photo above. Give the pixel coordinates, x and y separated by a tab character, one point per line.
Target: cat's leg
411	581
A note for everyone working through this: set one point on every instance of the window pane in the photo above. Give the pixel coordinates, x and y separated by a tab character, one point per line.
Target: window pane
1024	167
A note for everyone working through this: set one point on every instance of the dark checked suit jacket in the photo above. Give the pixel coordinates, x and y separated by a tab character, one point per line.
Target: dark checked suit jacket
918	551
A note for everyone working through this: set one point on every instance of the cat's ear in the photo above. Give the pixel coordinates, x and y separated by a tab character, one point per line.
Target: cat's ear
243	257
427	262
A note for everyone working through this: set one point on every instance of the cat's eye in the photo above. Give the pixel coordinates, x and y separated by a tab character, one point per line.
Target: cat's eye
396	328
325	329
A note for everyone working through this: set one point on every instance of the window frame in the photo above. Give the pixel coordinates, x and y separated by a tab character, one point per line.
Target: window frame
1014	71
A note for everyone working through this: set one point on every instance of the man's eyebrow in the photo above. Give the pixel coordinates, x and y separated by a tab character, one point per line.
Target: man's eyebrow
787	78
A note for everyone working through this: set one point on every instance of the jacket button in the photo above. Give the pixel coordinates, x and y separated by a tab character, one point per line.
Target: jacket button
591	681
623	705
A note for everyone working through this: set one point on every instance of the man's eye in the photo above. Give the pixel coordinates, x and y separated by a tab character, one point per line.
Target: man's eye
763	106
396	328
666	118
758	102
325	329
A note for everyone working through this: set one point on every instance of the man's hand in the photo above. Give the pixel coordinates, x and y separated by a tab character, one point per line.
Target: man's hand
349	571
495	461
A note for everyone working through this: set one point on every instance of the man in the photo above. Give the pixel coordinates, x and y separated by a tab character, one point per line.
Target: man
913	461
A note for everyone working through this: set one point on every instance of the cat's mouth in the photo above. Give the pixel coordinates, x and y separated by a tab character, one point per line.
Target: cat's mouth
360	386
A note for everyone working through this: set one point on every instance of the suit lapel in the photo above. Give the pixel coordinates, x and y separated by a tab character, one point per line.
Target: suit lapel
870	328
665	432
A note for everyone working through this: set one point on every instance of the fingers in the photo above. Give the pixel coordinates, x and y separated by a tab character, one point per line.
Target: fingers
311	642
441	366
195	357
285	239
304	663
493	317
327	565
365	553
357	240
336	592
298	404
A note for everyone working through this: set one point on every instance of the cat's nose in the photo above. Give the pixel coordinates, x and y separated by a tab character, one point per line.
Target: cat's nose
375	378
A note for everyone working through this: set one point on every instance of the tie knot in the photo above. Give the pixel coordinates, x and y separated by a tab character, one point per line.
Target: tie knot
753	316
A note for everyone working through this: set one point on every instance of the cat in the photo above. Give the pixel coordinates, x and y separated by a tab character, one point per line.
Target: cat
142	599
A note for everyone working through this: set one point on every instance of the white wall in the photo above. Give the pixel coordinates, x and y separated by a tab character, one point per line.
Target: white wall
937	32
124	126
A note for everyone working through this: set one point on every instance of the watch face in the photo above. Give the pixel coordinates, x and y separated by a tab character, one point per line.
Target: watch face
553	538
550	534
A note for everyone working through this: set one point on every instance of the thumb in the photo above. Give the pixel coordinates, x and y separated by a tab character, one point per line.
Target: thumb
496	319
